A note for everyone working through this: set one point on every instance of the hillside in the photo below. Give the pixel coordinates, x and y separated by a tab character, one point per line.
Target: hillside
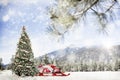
86	57
98	54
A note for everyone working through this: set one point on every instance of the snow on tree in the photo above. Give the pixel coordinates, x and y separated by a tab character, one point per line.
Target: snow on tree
46	59
66	13
117	65
101	67
1	65
54	62
23	64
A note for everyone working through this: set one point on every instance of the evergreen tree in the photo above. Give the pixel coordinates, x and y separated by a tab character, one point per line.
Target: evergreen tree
117	65
94	66
85	67
101	67
23	64
1	65
46	60
54	62
81	66
67	13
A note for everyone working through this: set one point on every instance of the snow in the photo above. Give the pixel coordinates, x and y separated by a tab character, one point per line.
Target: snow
46	66
24	50
7	75
22	41
71	58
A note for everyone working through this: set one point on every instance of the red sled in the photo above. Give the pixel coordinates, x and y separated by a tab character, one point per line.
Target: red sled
50	70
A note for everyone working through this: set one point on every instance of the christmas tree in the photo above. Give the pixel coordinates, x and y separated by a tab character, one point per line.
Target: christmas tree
23	64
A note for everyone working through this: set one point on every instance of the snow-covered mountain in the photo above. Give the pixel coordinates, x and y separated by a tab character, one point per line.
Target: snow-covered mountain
100	54
94	58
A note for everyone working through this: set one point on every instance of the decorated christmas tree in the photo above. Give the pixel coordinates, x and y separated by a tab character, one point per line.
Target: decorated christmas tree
23	64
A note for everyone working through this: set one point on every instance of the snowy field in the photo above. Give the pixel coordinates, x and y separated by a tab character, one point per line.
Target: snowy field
7	75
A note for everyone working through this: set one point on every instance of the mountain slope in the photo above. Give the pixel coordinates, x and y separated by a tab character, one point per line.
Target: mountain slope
95	58
86	54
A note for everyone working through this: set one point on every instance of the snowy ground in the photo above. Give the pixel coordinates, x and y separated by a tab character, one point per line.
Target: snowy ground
7	75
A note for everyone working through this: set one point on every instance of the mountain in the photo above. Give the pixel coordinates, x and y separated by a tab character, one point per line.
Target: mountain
99	54
94	57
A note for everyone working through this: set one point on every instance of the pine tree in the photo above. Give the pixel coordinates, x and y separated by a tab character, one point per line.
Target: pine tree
94	66
117	65
67	13
1	65
23	64
54	62
46	60
101	67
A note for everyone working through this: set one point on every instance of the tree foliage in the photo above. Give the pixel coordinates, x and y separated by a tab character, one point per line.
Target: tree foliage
65	13
23	64
1	65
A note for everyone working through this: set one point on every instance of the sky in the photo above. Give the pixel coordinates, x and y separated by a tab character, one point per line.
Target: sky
34	15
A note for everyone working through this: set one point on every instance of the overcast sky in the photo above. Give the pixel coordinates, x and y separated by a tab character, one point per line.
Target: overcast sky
34	15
